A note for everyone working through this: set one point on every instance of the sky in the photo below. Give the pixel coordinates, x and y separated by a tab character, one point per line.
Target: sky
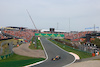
69	15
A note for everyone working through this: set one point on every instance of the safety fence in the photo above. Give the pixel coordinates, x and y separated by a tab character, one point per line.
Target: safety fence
70	47
73	46
89	48
6	56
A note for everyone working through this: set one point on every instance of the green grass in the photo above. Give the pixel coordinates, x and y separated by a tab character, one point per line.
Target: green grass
37	46
18	61
32	47
81	54
66	40
6	47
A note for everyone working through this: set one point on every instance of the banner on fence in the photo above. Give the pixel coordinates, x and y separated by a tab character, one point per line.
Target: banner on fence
5	56
49	35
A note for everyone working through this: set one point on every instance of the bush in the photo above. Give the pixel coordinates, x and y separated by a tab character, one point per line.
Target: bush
97	42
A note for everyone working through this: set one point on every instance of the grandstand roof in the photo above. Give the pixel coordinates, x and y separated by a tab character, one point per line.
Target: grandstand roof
16	27
47	30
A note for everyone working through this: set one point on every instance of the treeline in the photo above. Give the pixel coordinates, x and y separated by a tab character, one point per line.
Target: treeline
97	42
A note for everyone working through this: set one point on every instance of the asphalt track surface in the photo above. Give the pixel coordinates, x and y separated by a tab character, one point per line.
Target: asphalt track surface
53	51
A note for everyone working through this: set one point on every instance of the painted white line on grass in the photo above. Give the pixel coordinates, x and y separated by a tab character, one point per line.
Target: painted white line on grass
40	61
64	51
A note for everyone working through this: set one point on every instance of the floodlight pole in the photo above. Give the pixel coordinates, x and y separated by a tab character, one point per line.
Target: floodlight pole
57	25
94	27
69	24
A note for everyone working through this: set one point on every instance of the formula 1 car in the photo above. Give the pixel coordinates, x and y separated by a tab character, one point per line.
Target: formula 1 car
56	58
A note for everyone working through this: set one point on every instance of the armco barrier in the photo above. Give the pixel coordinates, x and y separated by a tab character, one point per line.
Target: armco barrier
6	56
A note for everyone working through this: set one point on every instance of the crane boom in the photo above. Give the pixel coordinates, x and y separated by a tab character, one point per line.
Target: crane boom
31	19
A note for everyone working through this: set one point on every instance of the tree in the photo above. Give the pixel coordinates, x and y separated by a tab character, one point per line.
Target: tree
97	42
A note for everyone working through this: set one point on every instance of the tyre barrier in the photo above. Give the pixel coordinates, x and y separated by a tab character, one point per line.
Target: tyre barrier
6	56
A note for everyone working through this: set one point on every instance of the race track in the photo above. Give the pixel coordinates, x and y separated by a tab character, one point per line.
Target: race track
52	51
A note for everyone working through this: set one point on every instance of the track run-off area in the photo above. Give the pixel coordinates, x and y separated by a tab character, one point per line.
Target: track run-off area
52	50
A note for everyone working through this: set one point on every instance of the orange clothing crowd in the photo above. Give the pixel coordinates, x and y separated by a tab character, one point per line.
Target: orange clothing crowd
3	37
76	36
26	34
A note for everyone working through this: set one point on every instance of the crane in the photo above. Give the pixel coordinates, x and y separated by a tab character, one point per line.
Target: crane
31	19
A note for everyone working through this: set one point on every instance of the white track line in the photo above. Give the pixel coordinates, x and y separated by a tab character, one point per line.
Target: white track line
64	51
40	61
76	56
47	56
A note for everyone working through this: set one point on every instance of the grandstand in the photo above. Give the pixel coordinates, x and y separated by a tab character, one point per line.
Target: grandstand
17	32
76	36
16	28
2	36
26	34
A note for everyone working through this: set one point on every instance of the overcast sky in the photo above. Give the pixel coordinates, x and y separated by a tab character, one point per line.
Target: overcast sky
47	13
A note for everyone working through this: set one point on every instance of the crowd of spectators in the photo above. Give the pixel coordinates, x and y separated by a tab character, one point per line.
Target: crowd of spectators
3	37
27	34
24	34
76	36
